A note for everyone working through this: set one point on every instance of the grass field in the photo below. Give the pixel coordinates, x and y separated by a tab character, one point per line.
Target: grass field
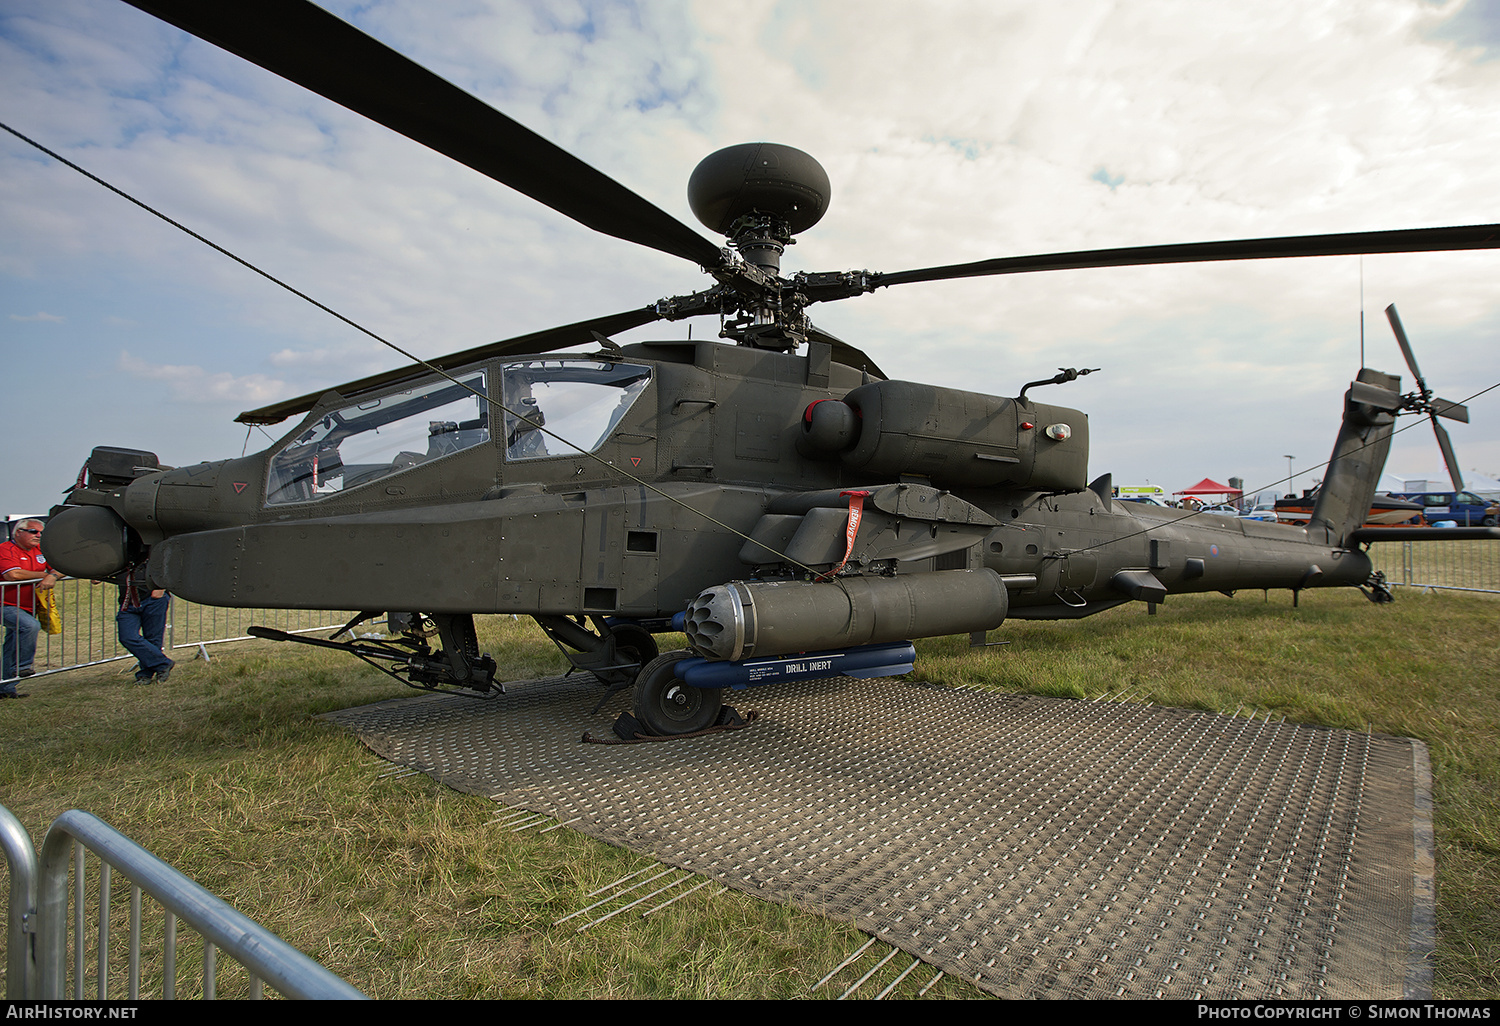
406	888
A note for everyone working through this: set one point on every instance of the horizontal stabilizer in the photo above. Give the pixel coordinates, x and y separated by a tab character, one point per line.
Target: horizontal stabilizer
1374	395
1423	534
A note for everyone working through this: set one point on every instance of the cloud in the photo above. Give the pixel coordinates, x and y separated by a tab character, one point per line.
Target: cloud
951	132
38	316
192	384
332	356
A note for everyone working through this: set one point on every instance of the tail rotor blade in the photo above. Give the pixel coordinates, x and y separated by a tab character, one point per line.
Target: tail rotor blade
1449	457
1451	410
1411	359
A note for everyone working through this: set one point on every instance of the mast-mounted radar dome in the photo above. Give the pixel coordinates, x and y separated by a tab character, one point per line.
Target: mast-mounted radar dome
768	178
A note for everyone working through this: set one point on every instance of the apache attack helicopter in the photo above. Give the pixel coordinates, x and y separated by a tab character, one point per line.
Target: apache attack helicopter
780	500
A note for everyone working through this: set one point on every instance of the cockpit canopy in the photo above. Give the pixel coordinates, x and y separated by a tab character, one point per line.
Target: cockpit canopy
556	407
578	402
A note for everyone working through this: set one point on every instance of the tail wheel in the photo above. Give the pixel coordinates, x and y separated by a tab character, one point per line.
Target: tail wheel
666	705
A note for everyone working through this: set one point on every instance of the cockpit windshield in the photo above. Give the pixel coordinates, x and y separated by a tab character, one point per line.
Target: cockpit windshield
368	440
578	402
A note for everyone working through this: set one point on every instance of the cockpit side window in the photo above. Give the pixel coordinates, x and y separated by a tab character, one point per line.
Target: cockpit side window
374	438
578	402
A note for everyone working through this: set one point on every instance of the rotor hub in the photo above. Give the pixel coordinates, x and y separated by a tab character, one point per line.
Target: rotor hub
760	195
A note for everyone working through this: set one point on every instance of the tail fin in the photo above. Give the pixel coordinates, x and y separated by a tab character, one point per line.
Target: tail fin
1358	458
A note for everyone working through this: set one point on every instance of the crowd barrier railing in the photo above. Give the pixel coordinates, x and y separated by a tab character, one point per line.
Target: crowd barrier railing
88	635
49	937
1440	564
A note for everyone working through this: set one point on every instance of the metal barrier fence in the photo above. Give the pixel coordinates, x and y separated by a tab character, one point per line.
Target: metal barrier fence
38	935
89	637
1440	564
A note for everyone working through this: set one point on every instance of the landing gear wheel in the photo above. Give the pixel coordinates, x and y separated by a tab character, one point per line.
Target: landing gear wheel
665	705
1376	590
633	643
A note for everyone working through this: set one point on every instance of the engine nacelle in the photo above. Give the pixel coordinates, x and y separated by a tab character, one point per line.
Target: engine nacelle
954	438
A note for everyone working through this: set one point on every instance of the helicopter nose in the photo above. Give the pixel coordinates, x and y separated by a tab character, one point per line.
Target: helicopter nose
87	541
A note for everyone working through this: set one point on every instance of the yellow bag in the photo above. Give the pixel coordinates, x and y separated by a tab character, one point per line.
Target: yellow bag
46	611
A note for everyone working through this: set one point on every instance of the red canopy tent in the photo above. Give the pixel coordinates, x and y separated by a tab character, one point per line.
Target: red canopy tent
1208	486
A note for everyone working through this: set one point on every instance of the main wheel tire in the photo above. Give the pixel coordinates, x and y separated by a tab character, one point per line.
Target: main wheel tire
667	706
1490	521
633	643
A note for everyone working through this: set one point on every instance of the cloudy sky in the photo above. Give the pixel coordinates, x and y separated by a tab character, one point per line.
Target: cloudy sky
951	132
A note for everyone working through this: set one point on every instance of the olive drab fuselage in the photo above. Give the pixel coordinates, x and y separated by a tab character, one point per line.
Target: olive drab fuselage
716	472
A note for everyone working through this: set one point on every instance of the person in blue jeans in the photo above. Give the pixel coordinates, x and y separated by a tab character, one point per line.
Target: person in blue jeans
142	624
21	629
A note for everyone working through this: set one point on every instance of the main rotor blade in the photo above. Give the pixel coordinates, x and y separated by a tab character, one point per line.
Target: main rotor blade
1411	358
1413	240
522	345
844	353
1449	457
306	45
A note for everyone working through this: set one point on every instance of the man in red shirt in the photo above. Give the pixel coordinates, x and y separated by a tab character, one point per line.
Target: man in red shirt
23	568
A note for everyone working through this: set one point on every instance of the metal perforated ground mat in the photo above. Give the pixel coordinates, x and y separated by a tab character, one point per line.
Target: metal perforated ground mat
1039	847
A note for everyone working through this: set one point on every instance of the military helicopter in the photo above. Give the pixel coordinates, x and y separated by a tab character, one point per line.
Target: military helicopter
778	499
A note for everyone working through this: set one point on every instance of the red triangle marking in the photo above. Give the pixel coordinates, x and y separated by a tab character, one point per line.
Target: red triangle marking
240	486
635	461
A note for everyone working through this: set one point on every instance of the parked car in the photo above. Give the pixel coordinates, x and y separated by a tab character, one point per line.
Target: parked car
1463	508
1262	511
